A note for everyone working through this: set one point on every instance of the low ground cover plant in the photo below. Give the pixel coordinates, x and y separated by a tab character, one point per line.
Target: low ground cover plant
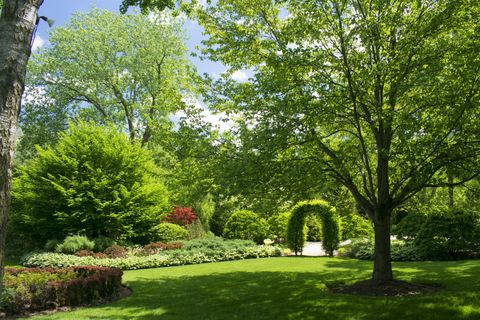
28	290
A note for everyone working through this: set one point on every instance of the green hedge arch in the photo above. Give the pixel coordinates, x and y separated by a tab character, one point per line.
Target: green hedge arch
297	229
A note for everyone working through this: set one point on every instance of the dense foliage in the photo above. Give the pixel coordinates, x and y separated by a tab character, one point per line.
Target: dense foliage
247	225
72	244
169	232
95	182
355	226
278	224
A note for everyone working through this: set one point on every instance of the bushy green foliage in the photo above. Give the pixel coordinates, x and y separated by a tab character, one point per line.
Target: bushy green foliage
409	226
296	235
278	224
450	235
355	226
51	245
102	243
247	225
166	259
95	182
72	244
167	232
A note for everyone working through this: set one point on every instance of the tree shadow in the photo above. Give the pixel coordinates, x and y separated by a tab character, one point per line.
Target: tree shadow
298	295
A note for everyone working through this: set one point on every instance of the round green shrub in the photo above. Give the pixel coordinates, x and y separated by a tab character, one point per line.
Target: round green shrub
278	224
166	232
247	225
72	244
94	181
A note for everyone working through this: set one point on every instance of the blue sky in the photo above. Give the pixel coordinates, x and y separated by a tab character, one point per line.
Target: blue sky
61	11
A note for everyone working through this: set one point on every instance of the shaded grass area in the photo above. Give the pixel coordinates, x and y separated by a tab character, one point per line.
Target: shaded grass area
288	288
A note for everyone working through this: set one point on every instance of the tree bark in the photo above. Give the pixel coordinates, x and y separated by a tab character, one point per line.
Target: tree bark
382	268
17	24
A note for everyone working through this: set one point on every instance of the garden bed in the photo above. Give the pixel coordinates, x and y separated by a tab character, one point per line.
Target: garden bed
36	289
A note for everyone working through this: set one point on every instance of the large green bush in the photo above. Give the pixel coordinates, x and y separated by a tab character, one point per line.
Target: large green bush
95	182
169	232
278	224
450	235
247	225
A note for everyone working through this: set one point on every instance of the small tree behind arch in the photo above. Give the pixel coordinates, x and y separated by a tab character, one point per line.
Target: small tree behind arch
297	233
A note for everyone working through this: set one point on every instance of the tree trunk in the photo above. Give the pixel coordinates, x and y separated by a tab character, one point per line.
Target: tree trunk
17	23
382	268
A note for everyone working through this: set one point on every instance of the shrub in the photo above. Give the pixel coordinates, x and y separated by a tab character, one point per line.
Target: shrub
167	232
278	225
450	235
195	230
51	245
355	226
72	244
217	243
182	216
102	243
40	289
363	249
157	247
95	182
115	251
409	226
165	259
246	225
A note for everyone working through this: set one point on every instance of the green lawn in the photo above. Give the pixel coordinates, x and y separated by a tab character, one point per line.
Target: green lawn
288	288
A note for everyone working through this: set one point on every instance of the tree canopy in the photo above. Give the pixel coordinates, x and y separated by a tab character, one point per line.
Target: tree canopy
130	70
382	96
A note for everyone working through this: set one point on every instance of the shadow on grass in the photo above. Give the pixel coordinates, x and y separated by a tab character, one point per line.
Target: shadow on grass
299	295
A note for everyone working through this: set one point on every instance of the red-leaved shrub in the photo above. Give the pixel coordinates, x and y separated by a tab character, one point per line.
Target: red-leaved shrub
33	290
182	216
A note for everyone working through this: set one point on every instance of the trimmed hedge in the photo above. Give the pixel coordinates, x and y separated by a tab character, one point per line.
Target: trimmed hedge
296	232
28	290
166	259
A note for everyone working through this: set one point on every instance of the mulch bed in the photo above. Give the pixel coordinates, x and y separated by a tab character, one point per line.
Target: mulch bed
394	288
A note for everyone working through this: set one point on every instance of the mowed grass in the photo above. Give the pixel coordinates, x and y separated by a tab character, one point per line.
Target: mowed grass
288	288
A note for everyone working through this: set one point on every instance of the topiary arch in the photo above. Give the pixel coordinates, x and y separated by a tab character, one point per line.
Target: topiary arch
297	233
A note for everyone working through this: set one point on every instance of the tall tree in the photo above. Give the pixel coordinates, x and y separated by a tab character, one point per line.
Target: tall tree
382	94
131	70
17	23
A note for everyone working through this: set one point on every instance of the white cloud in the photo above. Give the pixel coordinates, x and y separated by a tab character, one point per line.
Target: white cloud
240	76
38	43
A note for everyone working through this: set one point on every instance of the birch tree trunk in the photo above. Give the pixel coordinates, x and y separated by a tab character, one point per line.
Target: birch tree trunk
17	24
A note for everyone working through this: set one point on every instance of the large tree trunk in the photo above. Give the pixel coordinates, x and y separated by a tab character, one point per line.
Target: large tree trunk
17	23
382	268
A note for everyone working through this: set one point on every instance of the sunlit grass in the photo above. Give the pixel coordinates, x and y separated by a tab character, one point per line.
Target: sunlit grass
288	288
